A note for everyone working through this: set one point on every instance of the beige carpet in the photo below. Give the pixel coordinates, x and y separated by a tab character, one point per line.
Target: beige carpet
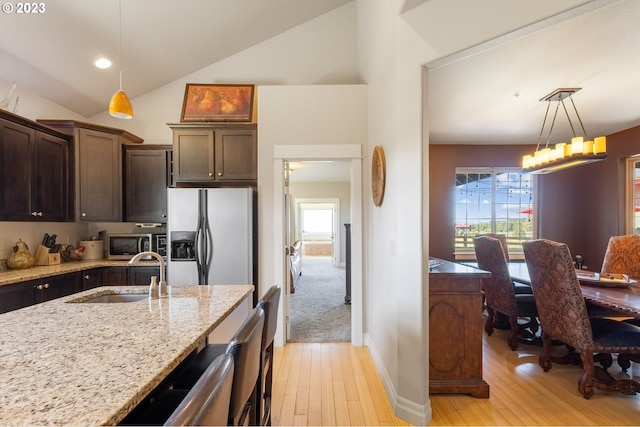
318	311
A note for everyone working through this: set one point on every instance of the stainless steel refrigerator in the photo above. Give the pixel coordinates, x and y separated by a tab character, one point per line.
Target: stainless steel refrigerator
211	235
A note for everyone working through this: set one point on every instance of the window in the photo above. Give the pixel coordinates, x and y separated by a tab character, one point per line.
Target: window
316	220
490	200
632	201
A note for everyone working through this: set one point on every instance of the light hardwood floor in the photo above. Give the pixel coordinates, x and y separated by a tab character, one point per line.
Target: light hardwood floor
337	384
328	384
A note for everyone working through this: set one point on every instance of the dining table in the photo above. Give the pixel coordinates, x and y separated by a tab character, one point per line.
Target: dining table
613	294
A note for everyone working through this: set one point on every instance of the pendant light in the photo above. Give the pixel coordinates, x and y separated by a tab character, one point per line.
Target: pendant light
120	106
564	155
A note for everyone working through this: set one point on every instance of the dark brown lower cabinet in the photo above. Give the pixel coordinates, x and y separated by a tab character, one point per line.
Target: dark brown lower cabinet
455	329
92	278
18	295
56	287
141	276
24	294
129	276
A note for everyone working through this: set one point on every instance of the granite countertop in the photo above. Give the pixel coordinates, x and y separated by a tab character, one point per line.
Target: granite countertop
8	277
65	363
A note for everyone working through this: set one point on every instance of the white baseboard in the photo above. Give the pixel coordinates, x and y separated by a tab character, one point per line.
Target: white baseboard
414	413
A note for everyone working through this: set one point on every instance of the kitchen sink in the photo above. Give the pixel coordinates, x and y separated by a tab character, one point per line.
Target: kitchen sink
112	298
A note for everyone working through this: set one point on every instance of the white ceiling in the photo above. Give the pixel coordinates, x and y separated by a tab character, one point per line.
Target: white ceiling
470	96
320	171
52	53
596	48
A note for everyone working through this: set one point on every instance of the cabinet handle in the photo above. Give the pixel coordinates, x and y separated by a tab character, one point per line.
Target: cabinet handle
36	213
210	174
46	286
86	277
219	173
39	287
83	214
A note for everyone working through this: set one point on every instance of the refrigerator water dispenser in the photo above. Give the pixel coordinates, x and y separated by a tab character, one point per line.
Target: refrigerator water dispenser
183	245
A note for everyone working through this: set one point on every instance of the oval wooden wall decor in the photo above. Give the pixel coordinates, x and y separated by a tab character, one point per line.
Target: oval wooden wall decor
378	171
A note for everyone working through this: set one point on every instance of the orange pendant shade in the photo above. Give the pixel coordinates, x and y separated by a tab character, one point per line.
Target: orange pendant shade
120	106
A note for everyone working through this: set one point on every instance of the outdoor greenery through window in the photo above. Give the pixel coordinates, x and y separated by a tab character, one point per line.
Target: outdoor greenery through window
493	201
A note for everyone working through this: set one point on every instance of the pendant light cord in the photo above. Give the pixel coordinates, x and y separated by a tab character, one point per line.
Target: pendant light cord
120	38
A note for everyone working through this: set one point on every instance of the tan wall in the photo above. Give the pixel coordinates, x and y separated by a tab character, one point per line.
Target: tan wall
581	207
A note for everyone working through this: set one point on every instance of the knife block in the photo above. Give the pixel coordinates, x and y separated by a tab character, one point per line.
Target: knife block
44	257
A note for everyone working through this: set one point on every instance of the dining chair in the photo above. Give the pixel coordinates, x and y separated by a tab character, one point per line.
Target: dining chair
264	389
503	241
500	295
206	404
622	256
245	348
563	316
521	288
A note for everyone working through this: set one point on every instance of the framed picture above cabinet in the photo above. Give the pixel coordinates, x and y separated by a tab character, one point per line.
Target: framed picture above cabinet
217	103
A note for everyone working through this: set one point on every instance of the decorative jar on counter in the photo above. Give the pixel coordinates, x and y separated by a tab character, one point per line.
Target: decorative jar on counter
21	257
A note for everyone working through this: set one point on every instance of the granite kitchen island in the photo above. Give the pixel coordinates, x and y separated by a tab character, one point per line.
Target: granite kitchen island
67	362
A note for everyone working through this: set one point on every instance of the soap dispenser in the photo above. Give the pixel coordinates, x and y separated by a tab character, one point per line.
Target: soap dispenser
153	288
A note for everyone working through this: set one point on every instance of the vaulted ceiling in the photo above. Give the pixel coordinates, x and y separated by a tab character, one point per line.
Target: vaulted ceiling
52	53
488	94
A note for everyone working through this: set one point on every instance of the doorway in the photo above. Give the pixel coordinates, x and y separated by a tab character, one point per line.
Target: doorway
318	309
351	154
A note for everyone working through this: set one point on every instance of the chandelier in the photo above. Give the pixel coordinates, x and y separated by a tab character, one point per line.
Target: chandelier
564	155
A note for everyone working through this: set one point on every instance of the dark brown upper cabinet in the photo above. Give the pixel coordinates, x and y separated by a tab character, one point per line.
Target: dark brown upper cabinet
34	168
215	154
147	174
97	170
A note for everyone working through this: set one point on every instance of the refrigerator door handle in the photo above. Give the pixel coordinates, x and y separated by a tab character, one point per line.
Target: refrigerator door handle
208	245
199	246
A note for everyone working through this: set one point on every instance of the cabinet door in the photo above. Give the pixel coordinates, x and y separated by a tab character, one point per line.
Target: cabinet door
193	155
236	155
141	276
91	278
145	184
51	191
114	276
17	145
61	286
99	173
13	297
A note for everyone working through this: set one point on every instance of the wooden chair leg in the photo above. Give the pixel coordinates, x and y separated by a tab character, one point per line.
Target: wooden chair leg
513	333
624	360
488	325
585	384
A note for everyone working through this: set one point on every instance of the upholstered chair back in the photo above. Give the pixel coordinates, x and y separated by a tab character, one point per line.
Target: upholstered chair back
623	256
503	242
556	289
498	288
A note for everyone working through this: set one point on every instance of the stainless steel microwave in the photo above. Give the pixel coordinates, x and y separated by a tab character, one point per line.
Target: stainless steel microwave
125	246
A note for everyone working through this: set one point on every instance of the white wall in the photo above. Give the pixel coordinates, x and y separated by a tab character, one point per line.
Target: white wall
321	51
331	116
392	59
395	294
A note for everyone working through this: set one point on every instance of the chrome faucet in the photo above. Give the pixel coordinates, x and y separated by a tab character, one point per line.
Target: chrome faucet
162	291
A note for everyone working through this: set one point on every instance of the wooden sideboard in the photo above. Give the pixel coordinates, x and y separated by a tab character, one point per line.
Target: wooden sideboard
455	329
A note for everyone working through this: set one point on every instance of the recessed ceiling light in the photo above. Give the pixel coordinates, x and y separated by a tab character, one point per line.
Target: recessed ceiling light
102	63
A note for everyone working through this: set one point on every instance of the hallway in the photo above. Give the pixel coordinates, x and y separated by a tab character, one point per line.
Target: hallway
318	309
